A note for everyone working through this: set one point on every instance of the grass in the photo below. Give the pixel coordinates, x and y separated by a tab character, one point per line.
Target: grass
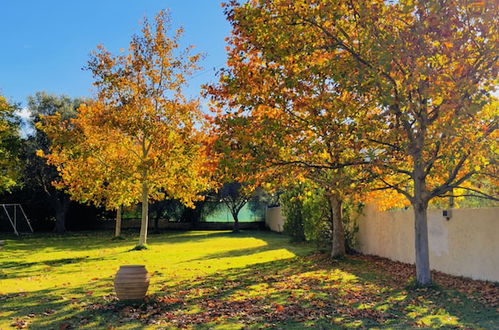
223	280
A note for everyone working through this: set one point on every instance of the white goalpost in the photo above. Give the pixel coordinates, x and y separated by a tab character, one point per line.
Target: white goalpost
13	212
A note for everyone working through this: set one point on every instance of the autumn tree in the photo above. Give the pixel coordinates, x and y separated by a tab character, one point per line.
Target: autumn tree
292	138
141	125
282	120
9	145
310	214
421	73
90	163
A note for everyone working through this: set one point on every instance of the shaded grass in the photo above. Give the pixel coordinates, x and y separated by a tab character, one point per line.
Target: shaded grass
219	279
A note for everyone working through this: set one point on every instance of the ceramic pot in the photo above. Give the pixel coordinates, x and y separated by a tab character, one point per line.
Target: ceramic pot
131	282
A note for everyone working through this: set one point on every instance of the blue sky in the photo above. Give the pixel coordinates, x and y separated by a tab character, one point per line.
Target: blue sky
45	43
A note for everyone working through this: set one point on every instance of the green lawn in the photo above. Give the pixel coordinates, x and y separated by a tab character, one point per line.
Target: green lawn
224	280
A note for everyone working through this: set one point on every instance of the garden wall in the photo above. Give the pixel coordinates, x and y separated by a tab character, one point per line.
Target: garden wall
274	219
466	245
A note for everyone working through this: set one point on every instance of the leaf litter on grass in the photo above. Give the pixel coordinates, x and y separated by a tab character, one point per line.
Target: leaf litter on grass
309	290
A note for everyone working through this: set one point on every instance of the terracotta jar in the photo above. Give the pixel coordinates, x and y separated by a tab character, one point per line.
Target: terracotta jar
131	282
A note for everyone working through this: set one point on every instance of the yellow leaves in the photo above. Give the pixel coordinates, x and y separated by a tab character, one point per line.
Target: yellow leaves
3	103
334	102
386	199
324	155
448	45
437	100
322	57
478	4
9	149
136	130
267	185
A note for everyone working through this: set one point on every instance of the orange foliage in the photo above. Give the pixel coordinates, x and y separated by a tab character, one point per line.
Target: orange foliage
140	138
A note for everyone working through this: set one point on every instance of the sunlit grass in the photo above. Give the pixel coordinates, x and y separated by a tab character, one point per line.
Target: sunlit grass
212	280
81	267
84	259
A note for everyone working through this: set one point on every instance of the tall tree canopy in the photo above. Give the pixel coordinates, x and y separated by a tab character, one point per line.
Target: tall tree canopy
144	137
407	84
9	145
38	175
285	116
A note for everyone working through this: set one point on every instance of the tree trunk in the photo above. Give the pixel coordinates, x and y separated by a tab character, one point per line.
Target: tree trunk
61	210
156	223
338	237
420	205
423	272
236	222
191	215
145	214
159	209
117	230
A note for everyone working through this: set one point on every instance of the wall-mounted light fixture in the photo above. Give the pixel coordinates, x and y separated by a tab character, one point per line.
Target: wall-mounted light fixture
448	213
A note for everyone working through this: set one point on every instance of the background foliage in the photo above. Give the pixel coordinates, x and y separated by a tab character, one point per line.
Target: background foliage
308	216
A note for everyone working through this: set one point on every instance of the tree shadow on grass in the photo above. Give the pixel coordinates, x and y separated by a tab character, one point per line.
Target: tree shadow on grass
20	269
173	305
81	241
238	253
252	251
314	292
292	293
298	292
51	308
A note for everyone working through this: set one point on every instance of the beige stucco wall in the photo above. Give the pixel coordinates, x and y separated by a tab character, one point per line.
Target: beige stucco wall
274	219
466	245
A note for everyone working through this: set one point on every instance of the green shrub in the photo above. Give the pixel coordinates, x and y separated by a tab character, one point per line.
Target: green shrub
306	211
351	212
292	208
309	217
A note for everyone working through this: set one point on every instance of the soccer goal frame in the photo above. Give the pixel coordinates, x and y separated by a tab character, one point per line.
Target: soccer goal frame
13	217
